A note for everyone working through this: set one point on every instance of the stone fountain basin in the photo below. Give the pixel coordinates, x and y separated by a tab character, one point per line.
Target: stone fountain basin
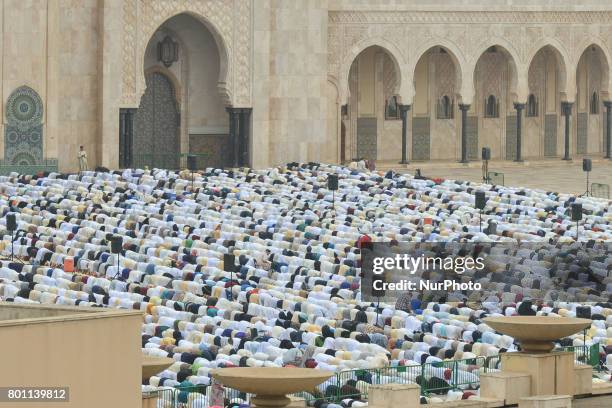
536	333
271	380
154	365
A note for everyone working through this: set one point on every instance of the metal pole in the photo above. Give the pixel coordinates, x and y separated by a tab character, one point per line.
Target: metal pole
588	192
377	307
231	282
577	230
334	204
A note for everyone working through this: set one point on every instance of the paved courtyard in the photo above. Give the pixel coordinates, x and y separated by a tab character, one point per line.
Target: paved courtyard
550	175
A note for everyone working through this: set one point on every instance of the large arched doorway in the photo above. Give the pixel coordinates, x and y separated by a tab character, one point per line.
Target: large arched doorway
156	125
183	110
434	128
543	121
591	83
495	77
372	117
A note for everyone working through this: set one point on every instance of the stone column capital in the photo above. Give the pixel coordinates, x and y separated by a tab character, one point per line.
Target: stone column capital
519	106
608	104
464	107
567	107
404	108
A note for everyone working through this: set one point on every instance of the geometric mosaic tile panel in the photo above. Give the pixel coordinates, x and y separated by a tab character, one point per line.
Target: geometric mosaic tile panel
582	132
420	138
510	137
550	135
366	138
23	136
156	125
472	137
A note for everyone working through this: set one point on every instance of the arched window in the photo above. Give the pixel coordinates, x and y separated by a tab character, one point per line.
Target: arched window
594	106
445	107
491	107
532	106
392	111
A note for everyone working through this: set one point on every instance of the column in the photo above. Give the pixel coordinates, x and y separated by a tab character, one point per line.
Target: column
519	128
464	153
122	137
244	137
129	142
567	111
608	105
234	126
404	115
126	132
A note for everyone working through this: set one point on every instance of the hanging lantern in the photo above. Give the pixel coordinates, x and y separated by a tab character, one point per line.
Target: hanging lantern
167	51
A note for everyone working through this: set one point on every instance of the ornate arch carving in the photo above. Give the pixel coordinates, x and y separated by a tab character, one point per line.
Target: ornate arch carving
230	23
457	57
606	85
567	78
397	57
519	88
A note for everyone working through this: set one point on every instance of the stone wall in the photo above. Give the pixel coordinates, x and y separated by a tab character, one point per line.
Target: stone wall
52	47
290	62
196	75
517	30
290	99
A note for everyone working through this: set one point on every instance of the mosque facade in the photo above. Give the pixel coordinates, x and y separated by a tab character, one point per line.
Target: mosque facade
264	82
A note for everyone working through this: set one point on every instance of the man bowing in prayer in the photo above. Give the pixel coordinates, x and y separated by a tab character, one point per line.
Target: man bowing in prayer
82	159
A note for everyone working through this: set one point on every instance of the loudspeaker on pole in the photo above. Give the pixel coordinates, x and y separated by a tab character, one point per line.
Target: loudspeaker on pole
587	165
116	244
481	200
191	162
492	228
11	222
486	153
332	182
576	212
229	262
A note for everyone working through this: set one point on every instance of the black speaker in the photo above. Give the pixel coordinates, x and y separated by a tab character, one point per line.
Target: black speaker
332	182
116	244
492	228
587	165
11	222
583	312
228	263
486	153
576	212
191	163
377	280
481	200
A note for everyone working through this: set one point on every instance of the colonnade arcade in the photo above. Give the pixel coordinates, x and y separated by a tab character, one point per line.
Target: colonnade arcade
524	97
